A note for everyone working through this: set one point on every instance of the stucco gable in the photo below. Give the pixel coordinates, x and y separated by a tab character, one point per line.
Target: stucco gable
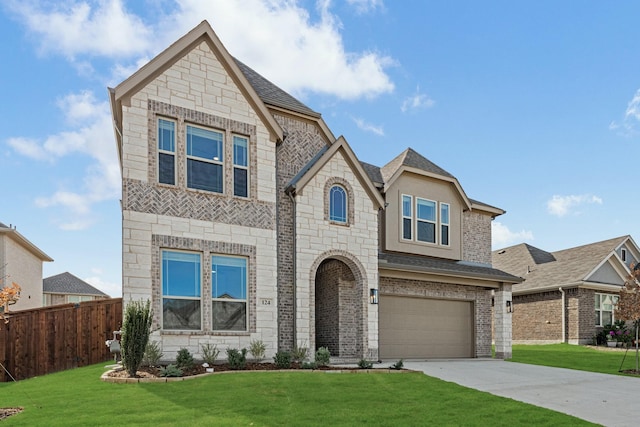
298	183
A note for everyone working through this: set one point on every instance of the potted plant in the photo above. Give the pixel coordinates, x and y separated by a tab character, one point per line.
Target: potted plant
611	339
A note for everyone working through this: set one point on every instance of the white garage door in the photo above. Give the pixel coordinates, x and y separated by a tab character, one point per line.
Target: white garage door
418	328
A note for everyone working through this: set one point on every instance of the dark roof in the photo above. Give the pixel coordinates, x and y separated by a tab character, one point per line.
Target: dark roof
374	173
271	94
2	225
411	158
445	266
543	270
67	283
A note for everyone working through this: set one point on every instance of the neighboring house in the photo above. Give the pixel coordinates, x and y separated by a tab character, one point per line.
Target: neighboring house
21	263
245	218
568	295
66	288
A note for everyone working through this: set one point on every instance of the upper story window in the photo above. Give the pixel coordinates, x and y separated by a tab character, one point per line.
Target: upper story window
338	204
430	220
204	159
166	151
229	293
181	290
240	166
623	254
604	309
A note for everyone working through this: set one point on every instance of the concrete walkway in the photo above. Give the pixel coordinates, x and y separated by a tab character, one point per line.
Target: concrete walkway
610	400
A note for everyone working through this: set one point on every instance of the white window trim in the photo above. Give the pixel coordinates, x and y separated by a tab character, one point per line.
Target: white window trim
613	315
448	224
202	159
173	153
403	216
435	223
235	166
623	254
162	296
246	293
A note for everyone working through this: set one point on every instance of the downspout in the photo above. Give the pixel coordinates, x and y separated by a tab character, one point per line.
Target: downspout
294	270
562	313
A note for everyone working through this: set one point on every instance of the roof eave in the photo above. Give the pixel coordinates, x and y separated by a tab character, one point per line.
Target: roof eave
448	273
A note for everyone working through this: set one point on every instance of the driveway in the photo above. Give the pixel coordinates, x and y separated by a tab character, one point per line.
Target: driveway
610	400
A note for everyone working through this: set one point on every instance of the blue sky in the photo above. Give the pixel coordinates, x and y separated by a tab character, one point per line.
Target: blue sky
533	105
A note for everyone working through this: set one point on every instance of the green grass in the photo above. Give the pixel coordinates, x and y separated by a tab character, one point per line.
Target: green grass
78	397
575	357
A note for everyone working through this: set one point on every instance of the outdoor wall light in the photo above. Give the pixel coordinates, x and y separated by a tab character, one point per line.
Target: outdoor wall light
373	296
509	307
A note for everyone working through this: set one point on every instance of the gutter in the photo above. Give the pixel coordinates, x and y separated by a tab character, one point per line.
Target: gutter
562	313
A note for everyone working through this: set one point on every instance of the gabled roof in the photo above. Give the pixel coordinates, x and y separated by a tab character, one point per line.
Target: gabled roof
410	158
374	173
319	160
444	267
566	268
22	241
67	283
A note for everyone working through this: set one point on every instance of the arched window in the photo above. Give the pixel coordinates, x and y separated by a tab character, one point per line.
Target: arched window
338	204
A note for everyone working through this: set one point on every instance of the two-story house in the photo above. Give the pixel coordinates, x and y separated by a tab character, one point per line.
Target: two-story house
245	218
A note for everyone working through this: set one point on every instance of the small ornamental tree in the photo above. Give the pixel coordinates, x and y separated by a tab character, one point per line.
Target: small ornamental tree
628	306
136	329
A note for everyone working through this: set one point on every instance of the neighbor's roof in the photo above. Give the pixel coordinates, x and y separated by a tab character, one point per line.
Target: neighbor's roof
545	270
67	283
21	240
444	267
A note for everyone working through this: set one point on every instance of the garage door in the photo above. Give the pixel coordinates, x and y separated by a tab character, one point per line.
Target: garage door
417	328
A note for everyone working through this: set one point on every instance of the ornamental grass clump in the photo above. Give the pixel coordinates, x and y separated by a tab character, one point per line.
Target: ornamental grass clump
257	349
210	353
136	329
152	354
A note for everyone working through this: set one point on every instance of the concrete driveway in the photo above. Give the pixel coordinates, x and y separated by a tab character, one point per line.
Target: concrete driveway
610	400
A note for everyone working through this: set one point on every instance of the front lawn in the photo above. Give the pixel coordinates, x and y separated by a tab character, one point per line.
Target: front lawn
78	397
575	357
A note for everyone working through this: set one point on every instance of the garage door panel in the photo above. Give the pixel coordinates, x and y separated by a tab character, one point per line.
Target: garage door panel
425	328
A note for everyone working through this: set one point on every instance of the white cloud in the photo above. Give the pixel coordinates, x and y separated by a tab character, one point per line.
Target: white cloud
368	127
94	138
365	6
114	290
501	236
563	205
627	126
416	101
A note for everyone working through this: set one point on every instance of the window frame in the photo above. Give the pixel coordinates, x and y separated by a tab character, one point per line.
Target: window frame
445	224
623	254
599	302
166	152
191	157
178	297
245	300
405	217
345	205
434	221
245	167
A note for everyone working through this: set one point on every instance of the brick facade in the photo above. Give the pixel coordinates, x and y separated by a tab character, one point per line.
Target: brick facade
476	237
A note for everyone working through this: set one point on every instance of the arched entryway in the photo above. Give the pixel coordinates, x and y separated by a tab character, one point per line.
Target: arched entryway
339	305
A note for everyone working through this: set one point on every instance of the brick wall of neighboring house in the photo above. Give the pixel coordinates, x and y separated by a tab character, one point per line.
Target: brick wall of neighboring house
537	317
481	301
304	140
355	244
197	90
581	315
476	237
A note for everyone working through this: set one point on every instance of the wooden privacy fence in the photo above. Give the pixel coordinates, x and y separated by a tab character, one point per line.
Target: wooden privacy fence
49	339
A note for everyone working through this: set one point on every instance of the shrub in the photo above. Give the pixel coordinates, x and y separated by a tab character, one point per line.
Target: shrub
210	353
309	365
323	356
152	354
171	371
184	359
282	359
257	349
136	329
300	354
237	358
398	365
365	364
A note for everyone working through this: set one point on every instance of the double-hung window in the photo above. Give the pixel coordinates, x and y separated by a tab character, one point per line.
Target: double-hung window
604	309
166	152
240	166
407	217
181	290
229	293
425	220
444	224
204	159
338	204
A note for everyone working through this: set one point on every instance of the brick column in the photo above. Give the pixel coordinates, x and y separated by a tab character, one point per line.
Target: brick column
502	322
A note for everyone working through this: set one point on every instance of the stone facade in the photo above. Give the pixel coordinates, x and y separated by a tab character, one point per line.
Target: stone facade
476	237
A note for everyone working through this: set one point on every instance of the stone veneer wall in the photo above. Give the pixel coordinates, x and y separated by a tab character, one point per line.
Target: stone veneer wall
476	237
480	297
303	141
